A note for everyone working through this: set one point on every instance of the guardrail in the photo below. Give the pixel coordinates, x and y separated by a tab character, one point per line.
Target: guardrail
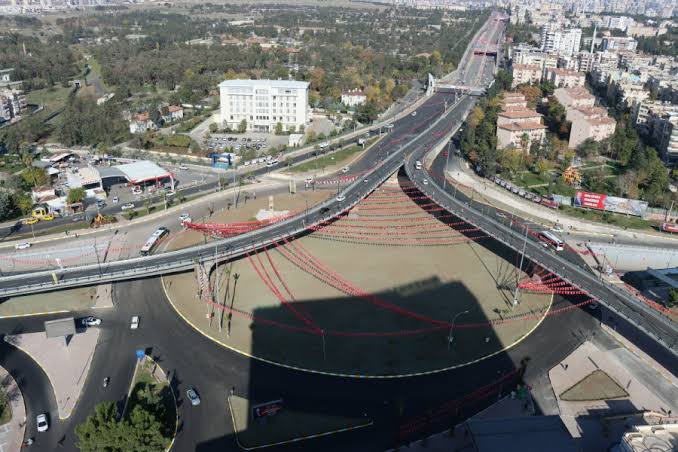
624	305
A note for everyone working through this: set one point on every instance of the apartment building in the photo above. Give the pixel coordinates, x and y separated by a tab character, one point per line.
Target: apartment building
519	128
12	103
612	43
665	134
353	98
574	97
645	110
513	101
264	103
534	56
592	127
565	42
564	78
576	113
525	73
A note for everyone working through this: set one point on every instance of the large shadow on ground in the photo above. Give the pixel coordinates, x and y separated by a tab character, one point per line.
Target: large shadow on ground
402	408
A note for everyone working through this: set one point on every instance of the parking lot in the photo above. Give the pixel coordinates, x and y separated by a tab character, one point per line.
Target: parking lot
258	142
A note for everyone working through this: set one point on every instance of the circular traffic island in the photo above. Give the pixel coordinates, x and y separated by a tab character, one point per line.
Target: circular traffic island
396	287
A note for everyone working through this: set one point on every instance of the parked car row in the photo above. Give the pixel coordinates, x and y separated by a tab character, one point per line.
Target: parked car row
525	193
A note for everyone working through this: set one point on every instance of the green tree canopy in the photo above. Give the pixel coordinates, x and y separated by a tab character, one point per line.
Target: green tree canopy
76	195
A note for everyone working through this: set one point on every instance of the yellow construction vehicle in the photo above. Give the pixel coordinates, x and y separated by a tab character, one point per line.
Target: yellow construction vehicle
42	213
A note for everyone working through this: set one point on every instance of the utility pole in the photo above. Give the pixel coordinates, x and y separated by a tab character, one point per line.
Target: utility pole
522	256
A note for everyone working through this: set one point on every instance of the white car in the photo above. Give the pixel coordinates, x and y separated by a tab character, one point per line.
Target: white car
308	180
501	214
22	246
183	167
193	396
184	218
414	113
115	200
341	198
91	321
558	228
592	306
127	206
135	322
425	181
43	425
344	169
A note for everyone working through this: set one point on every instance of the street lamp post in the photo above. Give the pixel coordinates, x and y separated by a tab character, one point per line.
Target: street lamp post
450	336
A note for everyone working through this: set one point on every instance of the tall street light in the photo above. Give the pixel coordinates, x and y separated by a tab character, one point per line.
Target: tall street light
450	337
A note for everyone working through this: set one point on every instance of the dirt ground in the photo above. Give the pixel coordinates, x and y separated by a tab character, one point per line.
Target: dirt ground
374	293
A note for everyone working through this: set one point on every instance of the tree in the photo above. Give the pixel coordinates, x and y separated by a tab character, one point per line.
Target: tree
76	195
279	128
36	177
366	113
242	127
511	160
588	149
100	431
673	298
213	128
8	207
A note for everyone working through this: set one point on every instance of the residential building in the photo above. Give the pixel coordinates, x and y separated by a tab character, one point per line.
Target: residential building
353	98
564	78
612	43
519	128
513	101
141	122
5	75
525	73
174	113
576	113
594	127
12	103
520	136
565	42
534	56
574	97
665	133
647	109
262	104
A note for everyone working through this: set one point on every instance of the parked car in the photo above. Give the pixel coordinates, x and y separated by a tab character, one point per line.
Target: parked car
29	221
425	181
22	246
115	200
134	324
183	167
137	190
43	425
127	206
91	321
341	198
344	169
193	396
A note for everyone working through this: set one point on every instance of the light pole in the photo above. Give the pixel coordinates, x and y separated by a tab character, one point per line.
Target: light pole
450	337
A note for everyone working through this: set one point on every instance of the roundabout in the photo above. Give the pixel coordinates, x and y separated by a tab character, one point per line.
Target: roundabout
395	288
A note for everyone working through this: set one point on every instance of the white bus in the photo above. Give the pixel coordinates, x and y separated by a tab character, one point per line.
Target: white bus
550	238
153	241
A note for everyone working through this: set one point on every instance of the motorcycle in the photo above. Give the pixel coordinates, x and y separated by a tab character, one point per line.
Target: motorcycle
106	380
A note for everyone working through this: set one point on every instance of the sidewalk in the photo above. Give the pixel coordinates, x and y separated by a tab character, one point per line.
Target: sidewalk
66	366
12	433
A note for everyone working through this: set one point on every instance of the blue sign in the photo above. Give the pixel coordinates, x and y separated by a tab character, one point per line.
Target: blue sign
140	354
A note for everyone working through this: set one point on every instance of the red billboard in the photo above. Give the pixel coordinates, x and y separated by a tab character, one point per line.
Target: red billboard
610	203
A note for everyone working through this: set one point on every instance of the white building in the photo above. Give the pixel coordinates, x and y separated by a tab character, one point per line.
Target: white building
564	42
353	98
612	43
264	103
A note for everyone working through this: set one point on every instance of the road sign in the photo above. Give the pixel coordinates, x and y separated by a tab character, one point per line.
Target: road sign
266	409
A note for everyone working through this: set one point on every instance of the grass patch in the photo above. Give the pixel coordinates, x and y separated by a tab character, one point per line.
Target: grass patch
334	158
287	425
595	386
608	218
52	98
5	408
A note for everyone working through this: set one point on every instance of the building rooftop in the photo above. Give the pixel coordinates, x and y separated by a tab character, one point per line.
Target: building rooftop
577	92
293	84
513	97
521	434
651	437
514	126
519	114
592	112
532	67
566	72
601	121
142	171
